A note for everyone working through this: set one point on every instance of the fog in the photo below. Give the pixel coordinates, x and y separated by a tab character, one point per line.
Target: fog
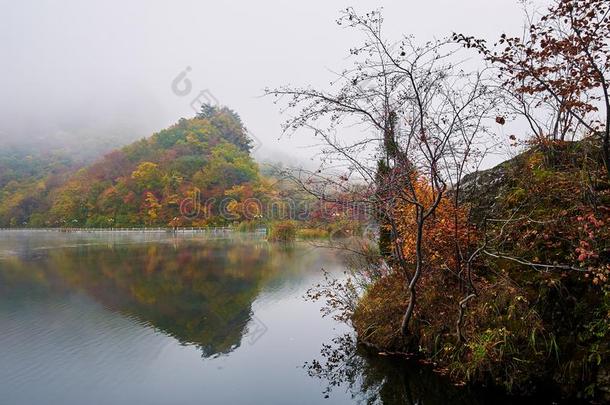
103	70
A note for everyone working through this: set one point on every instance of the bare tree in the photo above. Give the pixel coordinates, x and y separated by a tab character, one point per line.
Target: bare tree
403	115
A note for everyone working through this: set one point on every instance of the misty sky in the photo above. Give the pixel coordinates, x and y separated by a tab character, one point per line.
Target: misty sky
105	68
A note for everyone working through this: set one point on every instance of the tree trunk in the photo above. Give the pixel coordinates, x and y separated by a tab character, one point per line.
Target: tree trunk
418	269
460	320
604	136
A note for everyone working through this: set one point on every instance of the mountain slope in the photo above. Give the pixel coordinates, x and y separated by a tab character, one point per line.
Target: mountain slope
145	182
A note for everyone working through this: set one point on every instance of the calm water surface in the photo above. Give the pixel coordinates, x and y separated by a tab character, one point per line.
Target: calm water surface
159	319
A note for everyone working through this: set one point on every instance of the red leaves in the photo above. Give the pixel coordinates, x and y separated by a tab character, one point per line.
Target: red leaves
562	59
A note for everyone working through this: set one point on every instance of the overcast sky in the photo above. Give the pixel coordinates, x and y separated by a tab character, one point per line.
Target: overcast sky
106	67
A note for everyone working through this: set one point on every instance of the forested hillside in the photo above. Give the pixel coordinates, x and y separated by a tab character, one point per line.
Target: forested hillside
25	180
199	160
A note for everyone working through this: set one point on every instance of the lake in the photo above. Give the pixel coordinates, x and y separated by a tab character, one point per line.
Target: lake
105	318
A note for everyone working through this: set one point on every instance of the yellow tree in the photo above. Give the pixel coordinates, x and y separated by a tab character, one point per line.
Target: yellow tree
152	207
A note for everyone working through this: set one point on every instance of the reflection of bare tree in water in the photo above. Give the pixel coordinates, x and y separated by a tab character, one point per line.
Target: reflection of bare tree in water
340	366
373	379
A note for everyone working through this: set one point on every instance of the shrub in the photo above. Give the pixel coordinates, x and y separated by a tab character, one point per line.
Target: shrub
506	344
283	231
312	233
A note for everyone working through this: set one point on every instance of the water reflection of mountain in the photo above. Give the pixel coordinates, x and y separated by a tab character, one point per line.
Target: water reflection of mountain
201	294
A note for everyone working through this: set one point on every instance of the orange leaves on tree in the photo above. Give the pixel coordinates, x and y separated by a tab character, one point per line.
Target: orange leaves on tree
446	231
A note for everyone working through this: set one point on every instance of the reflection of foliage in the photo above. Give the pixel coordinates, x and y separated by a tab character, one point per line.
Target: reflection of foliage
386	380
201	294
340	364
20	282
193	294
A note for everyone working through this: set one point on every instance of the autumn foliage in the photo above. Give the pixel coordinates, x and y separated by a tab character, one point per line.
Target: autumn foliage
558	72
447	230
205	158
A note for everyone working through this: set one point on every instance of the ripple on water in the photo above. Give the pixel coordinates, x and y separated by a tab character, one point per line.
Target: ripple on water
45	342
